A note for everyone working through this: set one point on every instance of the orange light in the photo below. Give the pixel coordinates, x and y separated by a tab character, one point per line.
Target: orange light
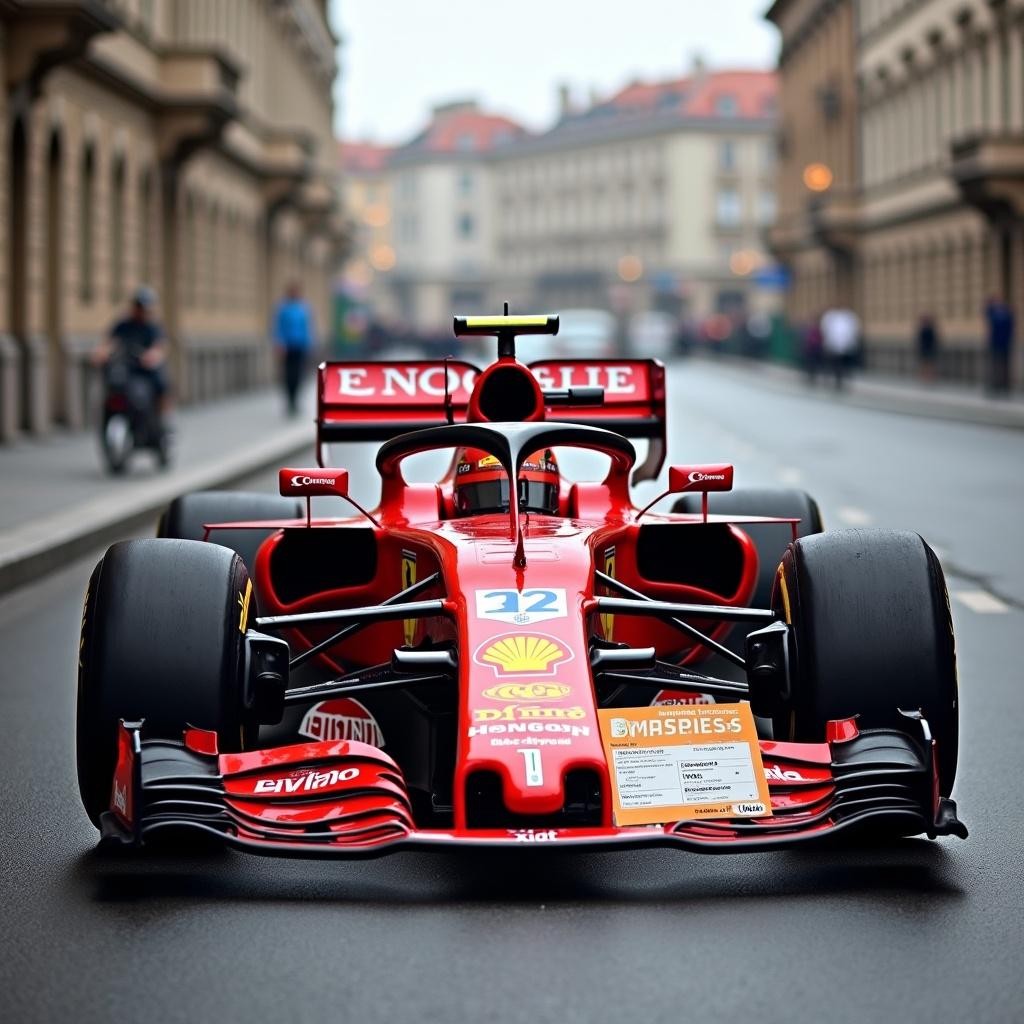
382	257
376	215
742	262
631	268
817	177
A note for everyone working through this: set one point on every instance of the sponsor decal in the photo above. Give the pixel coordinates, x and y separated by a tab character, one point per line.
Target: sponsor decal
533	835
533	766
243	604
673	698
745	810
307	481
528	713
520	729
616	380
608	621
519	608
521	654
528	691
651	728
684	762
697	477
776	773
341	719
306	782
408	579
120	800
533	741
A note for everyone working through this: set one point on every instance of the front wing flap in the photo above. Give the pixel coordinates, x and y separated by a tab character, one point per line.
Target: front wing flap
347	799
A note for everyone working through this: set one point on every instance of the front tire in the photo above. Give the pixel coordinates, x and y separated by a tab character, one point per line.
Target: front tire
162	640
872	635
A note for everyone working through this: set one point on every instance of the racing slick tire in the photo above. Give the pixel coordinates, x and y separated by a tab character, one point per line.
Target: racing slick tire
185	518
871	636
162	640
770	539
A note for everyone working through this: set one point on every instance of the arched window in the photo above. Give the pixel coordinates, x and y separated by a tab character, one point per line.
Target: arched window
86	227
117	232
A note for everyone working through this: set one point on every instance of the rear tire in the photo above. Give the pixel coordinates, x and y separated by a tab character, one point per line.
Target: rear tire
162	640
770	539
185	518
872	634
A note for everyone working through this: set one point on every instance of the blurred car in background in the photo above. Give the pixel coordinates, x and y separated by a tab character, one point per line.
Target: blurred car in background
652	335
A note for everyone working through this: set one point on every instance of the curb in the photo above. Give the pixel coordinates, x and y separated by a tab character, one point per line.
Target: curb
37	548
866	393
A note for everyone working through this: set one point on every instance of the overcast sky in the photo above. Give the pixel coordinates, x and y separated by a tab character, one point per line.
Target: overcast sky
400	57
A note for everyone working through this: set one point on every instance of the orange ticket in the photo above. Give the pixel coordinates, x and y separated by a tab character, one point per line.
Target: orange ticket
695	761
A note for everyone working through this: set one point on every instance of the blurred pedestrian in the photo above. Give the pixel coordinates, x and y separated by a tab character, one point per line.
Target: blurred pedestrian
293	341
840	337
927	348
812	351
999	318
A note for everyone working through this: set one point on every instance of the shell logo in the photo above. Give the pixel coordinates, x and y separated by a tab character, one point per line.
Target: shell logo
519	654
527	691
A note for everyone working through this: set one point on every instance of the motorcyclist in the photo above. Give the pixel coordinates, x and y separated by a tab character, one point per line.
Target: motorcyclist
139	338
481	484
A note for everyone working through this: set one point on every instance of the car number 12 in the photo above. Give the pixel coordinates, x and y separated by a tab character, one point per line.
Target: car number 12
521	606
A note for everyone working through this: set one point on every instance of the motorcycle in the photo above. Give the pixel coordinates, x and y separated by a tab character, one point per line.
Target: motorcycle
131	417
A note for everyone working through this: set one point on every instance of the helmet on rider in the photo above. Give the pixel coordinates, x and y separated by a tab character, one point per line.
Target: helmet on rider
482	486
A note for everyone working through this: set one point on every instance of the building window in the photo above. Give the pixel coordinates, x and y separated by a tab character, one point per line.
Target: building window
728	209
85	227
727	155
769	154
465	143
766	206
465	183
465	225
725	105
117	233
145	226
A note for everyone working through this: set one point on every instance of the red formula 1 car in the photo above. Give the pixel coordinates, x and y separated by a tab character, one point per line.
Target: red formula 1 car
439	672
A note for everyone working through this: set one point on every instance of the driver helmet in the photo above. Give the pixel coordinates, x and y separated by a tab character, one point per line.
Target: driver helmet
481	484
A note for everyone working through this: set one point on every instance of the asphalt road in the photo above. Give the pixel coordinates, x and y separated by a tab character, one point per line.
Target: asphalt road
913	931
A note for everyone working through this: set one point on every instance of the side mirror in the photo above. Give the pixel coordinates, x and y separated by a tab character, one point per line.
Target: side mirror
313	483
711	477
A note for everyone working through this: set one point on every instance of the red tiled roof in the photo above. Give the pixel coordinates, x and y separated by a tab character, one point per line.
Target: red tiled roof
467	129
753	92
363	156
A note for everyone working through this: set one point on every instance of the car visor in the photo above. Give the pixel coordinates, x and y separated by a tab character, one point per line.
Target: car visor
492	496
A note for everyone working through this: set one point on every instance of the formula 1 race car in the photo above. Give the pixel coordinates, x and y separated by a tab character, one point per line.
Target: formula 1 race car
503	657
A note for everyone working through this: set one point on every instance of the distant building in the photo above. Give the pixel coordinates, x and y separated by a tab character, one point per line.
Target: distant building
902	174
368	203
183	143
655	198
445	216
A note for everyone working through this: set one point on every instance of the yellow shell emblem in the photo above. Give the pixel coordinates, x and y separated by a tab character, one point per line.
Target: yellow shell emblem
518	654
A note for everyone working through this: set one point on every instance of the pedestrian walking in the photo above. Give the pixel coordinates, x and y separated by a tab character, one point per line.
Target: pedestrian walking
840	336
999	319
812	350
293	339
927	348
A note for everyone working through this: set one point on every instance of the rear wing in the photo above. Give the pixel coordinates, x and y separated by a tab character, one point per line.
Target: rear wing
375	401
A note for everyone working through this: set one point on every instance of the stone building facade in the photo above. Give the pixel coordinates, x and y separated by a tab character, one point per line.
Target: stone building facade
181	143
925	210
655	198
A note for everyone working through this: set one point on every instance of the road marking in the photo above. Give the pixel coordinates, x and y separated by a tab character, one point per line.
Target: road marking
853	516
790	476
981	601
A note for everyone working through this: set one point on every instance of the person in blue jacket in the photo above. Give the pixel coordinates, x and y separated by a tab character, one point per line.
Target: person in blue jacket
294	334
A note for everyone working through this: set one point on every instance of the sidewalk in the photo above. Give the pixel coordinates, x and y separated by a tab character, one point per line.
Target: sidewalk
942	400
57	501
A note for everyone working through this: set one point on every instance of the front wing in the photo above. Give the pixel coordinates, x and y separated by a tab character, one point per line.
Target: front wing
347	799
